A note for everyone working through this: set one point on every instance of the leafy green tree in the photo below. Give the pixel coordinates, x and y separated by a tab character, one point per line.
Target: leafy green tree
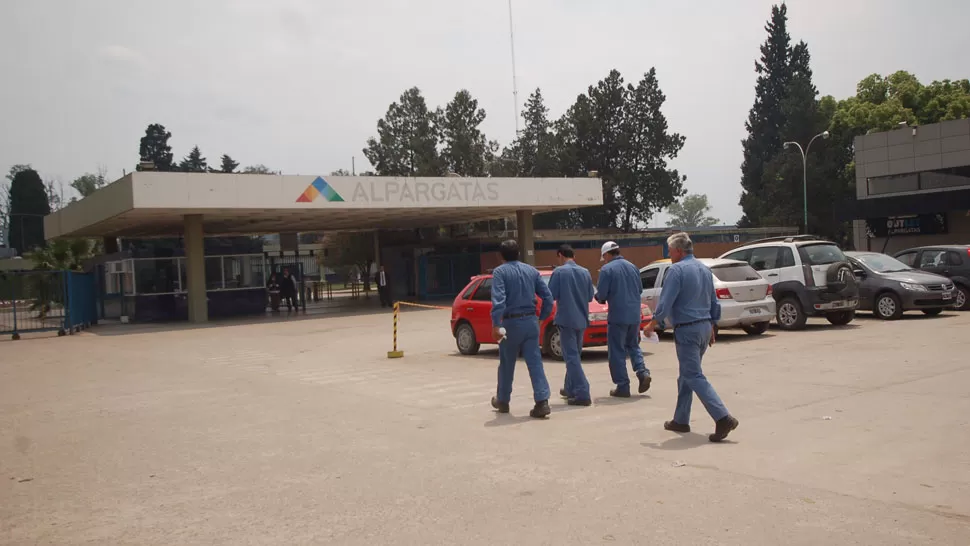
340	172
194	162
643	183
5	202
88	183
228	165
154	148
407	141
56	255
766	118
691	212
258	169
28	206
466	151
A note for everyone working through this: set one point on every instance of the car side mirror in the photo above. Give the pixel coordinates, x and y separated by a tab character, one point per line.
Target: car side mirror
859	273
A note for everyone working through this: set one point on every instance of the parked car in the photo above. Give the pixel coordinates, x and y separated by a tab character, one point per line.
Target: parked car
471	320
888	287
808	276
951	261
745	296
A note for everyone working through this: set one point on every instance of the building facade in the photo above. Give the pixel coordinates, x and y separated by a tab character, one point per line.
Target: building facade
912	187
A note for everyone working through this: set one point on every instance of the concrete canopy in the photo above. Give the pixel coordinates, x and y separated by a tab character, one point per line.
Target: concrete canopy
149	204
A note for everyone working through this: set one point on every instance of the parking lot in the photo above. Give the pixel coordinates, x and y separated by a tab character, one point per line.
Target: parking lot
301	431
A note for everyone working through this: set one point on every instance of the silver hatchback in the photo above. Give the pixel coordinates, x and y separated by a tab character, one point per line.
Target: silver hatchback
745	297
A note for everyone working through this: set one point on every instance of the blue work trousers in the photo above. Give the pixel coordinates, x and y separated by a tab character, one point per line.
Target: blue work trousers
522	335
624	340
692	342
577	386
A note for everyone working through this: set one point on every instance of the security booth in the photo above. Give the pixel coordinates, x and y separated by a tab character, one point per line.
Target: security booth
192	283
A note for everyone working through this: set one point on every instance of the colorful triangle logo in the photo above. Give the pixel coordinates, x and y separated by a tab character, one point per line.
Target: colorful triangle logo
317	188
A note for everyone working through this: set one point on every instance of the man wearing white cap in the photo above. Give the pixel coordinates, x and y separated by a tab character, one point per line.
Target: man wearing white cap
620	287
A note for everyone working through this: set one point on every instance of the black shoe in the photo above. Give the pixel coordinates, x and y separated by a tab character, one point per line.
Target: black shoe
644	384
562	392
722	428
579	402
541	410
674	426
620	393
501	407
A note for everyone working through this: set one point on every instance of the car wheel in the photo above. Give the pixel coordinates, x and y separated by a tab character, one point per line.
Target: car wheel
888	306
552	345
962	302
932	312
790	315
755	329
841	318
465	339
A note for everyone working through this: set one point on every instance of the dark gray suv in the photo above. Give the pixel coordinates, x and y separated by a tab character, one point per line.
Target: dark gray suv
888	287
951	261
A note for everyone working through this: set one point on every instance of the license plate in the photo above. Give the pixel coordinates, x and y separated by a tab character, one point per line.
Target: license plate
755	311
948	295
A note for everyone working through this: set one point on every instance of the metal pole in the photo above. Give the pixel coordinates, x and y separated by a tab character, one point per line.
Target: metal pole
395	353
805	188
515	88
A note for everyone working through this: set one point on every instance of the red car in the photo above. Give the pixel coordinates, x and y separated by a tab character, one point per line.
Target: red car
471	320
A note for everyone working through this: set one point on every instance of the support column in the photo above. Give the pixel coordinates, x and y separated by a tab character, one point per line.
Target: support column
526	237
377	249
195	268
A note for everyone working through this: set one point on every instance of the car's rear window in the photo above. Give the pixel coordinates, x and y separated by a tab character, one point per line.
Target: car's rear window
821	254
735	273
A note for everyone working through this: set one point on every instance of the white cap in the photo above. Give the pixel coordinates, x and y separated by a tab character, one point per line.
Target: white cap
607	247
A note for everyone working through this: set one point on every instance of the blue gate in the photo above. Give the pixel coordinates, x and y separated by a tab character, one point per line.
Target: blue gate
39	301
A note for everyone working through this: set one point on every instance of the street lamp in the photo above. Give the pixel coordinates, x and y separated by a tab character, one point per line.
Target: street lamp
804	151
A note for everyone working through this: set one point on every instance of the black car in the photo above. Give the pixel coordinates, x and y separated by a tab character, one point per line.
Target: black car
887	287
952	261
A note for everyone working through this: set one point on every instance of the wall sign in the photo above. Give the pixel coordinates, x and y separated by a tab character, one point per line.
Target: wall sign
916	224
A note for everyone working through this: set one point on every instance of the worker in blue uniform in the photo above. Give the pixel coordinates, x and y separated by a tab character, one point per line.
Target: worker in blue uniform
690	302
515	286
620	287
572	288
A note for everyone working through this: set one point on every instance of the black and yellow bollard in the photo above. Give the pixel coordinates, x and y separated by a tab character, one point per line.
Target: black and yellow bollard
395	353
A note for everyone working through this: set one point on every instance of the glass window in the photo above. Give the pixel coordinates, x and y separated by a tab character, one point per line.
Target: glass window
467	294
156	275
821	254
954	258
880	263
932	258
484	292
907	258
765	257
648	278
786	258
243	271
740	255
735	273
213	273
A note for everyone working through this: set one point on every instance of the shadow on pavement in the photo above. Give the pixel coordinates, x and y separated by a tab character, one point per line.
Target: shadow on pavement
614	401
908	315
680	442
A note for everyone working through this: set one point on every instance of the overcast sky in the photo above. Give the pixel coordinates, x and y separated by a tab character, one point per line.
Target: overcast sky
299	84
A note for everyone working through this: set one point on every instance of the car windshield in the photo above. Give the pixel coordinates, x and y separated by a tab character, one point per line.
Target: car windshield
735	273
821	254
880	263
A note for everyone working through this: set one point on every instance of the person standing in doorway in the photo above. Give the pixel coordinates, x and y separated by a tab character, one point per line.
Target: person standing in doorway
620	288
572	288
383	287
288	289
273	288
515	286
689	300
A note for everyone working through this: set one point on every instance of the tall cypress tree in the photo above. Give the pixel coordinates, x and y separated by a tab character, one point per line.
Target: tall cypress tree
766	119
28	206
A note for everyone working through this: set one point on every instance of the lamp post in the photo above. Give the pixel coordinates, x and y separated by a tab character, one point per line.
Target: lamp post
804	151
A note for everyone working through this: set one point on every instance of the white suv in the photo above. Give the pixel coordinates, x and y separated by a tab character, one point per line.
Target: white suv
808	276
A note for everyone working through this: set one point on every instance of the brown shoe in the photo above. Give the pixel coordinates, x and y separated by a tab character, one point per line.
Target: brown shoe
562	393
644	384
674	426
501	407
541	410
620	393
722	428
579	402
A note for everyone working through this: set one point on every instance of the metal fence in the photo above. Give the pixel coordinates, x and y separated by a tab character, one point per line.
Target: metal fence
38	301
